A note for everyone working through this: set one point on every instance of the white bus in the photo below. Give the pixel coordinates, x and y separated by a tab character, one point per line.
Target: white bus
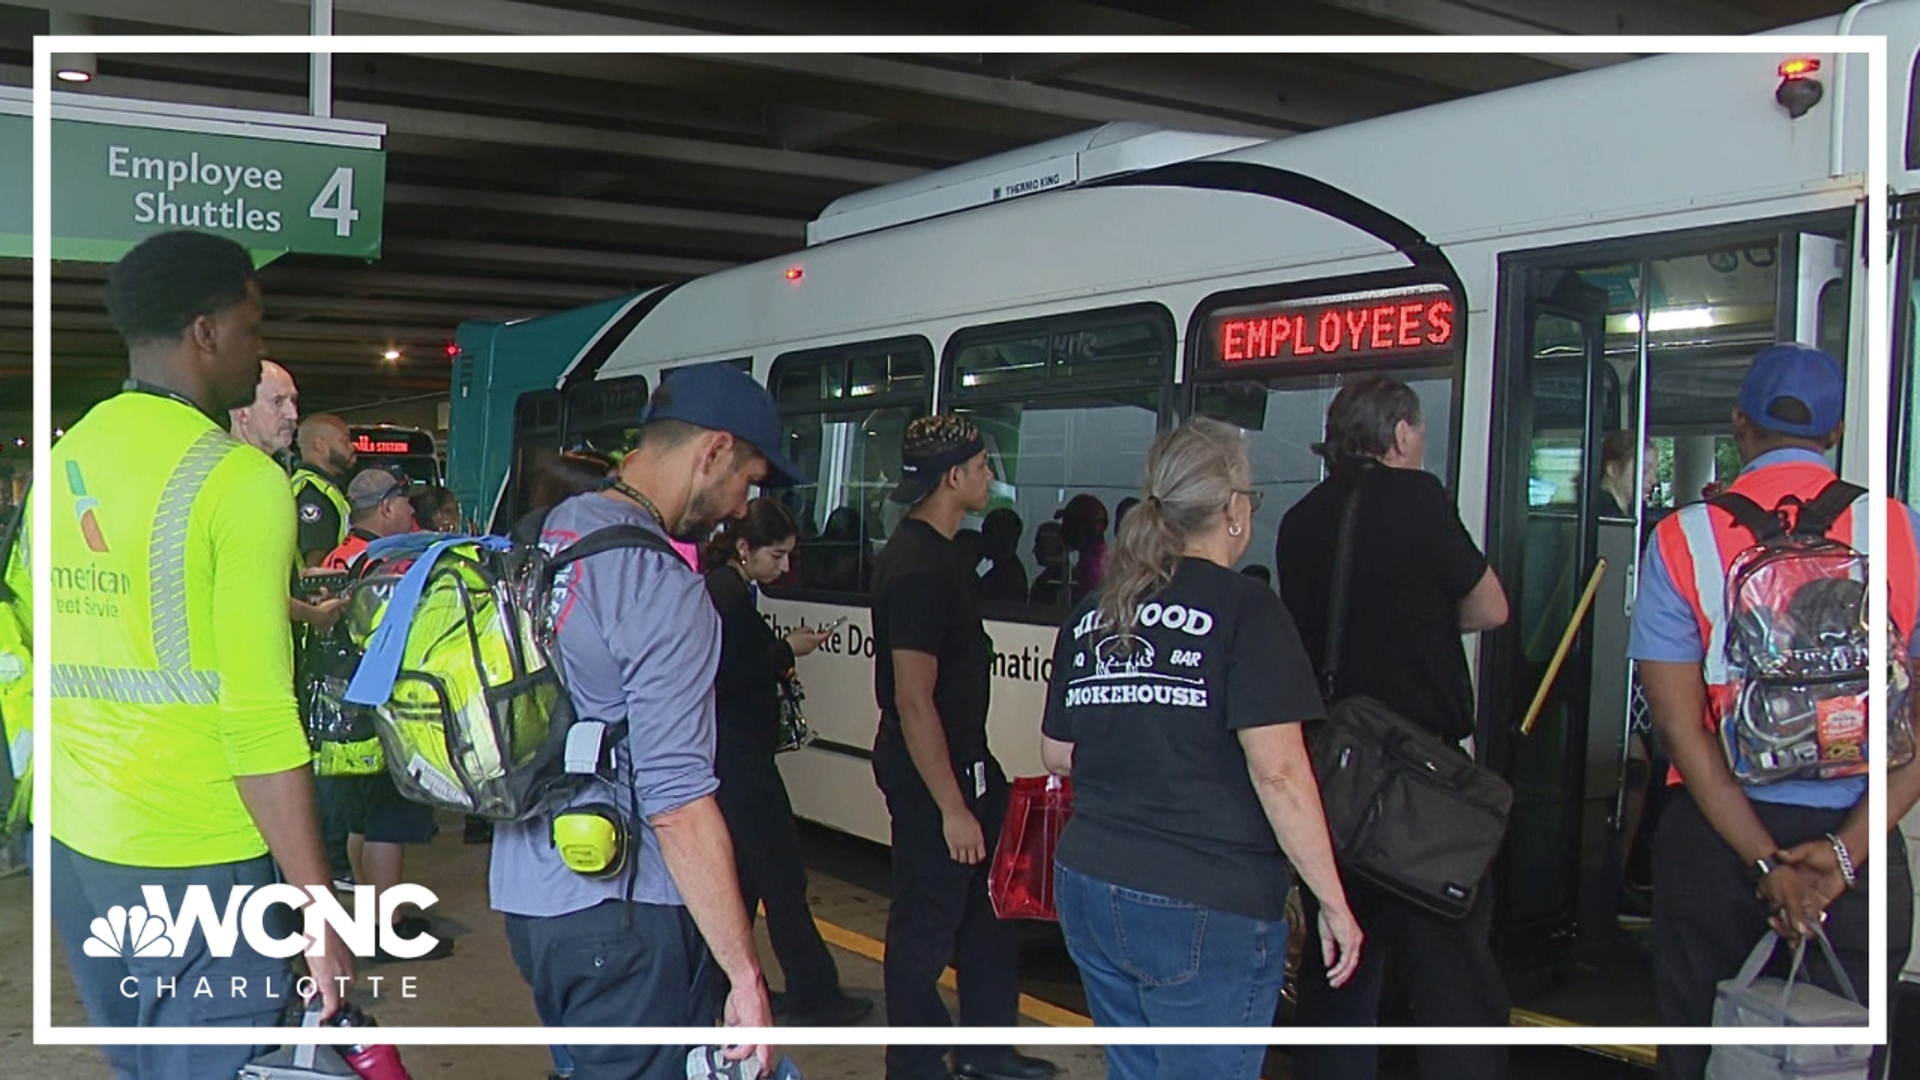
1545	265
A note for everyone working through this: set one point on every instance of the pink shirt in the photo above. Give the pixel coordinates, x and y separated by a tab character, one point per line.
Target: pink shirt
689	552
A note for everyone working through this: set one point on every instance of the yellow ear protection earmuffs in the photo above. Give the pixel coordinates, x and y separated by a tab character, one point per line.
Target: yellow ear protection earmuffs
593	839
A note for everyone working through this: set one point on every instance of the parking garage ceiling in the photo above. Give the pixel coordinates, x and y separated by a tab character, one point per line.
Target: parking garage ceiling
523	184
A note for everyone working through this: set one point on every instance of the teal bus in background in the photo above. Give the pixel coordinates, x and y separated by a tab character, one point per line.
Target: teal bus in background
507	415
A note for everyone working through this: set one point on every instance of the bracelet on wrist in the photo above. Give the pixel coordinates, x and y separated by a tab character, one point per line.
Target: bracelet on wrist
1845	859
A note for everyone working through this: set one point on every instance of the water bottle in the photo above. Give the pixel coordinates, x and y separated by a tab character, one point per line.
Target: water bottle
369	1061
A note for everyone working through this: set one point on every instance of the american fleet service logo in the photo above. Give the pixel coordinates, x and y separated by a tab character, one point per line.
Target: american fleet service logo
83	506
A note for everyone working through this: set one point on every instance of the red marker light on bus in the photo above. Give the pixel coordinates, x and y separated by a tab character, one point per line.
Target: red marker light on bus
795	273
1799	67
1798	91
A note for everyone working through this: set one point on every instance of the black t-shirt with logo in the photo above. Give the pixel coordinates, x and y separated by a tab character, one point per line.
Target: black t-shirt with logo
1162	801
925	600
1413	563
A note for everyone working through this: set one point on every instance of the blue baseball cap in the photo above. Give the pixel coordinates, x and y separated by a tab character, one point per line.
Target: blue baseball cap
721	397
1798	374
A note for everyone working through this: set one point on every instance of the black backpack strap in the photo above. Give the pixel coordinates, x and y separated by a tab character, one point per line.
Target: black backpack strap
1342	578
1765	525
1818	515
609	538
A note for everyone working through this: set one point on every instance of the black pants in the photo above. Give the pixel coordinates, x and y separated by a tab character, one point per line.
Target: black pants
940	914
244	990
336	821
1903	1041
617	965
1447	966
1706	918
766	850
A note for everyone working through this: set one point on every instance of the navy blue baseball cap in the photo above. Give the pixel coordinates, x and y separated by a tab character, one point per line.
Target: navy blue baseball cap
1794	389
721	397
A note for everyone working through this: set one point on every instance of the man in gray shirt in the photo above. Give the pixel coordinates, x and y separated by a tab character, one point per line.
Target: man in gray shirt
639	642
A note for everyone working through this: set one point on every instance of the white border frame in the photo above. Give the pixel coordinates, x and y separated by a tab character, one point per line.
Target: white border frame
44	1032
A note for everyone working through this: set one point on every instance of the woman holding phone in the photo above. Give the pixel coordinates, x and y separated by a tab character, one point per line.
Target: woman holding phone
746	553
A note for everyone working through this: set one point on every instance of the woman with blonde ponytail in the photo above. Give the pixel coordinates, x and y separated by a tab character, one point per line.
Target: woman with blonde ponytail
1176	700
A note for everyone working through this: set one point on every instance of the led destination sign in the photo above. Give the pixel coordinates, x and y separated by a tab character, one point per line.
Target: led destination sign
365	442
1412	322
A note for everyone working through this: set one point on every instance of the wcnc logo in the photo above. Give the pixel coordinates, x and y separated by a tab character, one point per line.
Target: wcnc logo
155	930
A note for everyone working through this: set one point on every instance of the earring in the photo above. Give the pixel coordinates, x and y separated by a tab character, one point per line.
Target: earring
1233	528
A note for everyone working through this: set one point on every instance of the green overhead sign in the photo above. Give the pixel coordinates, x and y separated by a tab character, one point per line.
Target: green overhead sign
275	187
16	183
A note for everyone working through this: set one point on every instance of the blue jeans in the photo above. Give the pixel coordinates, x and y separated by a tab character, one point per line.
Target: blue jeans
1148	960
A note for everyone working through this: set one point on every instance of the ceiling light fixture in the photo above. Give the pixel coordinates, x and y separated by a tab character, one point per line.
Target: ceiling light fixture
72	67
1659	322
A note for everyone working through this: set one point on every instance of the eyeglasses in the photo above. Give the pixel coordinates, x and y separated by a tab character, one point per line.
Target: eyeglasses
1253	498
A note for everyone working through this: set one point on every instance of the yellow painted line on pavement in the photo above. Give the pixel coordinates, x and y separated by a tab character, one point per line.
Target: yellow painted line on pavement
1636	1055
1031	1007
1044	1012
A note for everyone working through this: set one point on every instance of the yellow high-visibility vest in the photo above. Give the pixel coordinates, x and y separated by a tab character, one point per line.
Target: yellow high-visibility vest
172	667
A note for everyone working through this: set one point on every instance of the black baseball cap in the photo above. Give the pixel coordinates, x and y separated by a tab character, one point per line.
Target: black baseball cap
721	397
931	446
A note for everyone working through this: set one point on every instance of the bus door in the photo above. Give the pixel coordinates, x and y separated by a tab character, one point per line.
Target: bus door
1616	374
1562	394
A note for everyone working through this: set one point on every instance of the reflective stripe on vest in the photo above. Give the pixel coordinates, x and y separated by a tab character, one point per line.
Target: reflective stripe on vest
175	682
1709	593
131	686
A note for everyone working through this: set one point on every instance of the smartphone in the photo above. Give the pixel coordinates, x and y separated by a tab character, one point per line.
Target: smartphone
313	584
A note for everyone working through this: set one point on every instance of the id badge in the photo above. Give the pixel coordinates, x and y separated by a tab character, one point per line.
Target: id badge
979	779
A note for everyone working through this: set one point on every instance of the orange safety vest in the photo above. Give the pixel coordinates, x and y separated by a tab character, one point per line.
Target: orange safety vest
342	557
1699	542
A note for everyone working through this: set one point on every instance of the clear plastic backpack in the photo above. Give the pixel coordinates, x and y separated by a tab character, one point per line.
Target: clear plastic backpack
461	676
1797	646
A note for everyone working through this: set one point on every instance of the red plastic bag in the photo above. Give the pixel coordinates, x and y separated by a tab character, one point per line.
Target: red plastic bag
1020	883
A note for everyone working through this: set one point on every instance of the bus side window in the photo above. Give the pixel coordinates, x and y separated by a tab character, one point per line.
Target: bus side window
604	415
1068	406
536	441
844	410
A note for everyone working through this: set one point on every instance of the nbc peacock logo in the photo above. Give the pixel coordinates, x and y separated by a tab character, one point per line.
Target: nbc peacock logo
124	932
83	505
